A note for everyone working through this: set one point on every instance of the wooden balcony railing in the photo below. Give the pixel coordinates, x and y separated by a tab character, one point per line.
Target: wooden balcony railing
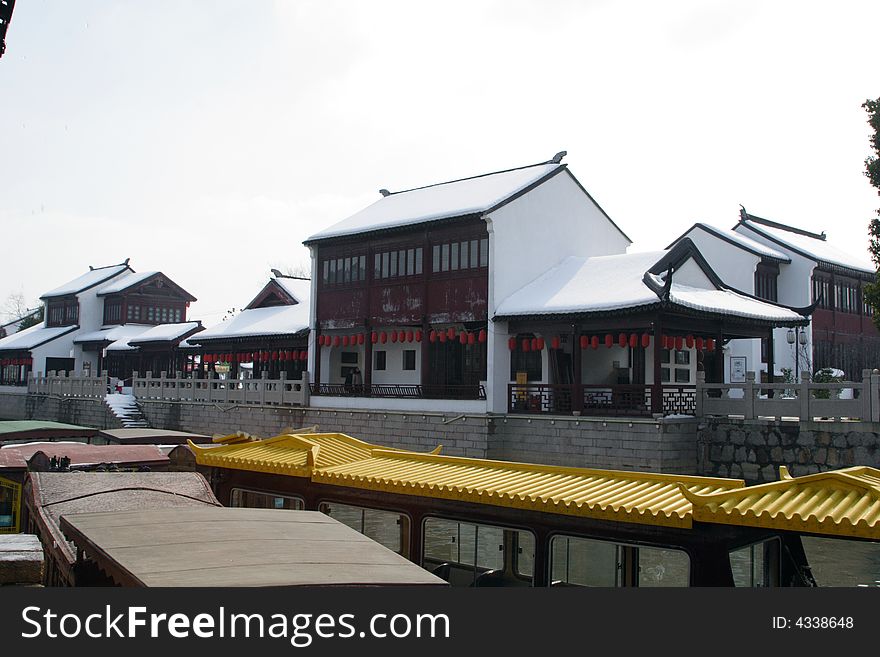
602	400
400	391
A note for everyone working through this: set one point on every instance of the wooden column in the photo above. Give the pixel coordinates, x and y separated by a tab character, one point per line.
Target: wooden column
657	386
368	354
577	404
426	349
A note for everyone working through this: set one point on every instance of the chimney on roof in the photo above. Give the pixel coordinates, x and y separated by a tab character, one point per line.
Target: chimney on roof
384	192
558	157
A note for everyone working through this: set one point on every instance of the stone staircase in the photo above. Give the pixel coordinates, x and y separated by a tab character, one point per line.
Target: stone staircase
126	408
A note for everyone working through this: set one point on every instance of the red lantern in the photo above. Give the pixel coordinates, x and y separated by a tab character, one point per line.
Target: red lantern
432	336
481	336
450	333
441	336
304	355
609	340
584	341
374	337
393	336
525	345
472	338
633	340
335	340
344	340
539	343
710	344
594	342
621	340
679	342
383	337
700	344
554	342
534	344
274	355
418	335
361	338
646	340
282	356
463	337
409	335
689	341
511	344
401	335
320	340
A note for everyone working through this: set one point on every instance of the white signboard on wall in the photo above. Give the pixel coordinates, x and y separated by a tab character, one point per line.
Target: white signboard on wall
737	369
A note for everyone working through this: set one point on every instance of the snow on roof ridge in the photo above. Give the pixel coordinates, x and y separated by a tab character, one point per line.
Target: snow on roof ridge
481	175
745	241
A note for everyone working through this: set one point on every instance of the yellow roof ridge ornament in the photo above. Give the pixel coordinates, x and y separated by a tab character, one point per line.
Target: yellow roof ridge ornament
312	456
784	474
232	438
437	449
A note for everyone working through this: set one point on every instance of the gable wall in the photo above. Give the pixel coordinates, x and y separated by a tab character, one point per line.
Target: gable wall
536	231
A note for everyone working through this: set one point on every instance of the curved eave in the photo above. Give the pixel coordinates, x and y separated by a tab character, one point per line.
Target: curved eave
580	314
274	337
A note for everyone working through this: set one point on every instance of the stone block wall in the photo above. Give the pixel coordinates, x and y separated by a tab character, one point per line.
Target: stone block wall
637	444
754	449
84	412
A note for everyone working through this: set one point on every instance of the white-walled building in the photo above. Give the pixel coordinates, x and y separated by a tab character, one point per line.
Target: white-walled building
86	316
795	268
427	292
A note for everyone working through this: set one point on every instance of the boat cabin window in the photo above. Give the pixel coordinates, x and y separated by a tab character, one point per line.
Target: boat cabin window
468	554
578	561
756	565
386	527
252	499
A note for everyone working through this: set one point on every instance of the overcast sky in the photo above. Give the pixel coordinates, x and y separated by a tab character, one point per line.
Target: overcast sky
207	139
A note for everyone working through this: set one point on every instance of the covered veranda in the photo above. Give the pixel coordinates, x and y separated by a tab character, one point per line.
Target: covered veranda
627	334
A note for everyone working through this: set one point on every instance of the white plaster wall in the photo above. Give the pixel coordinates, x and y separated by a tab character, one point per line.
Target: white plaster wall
690	274
733	265
497	367
57	348
539	229
313	314
794	287
415	406
394	372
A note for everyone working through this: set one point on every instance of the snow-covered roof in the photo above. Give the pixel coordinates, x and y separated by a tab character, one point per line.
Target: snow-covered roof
812	247
165	332
113	333
276	320
440	201
33	337
89	279
617	282
298	288
18	320
743	242
124	282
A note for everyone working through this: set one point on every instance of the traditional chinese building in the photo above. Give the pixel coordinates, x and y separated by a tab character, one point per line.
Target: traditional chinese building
404	290
87	316
269	336
796	267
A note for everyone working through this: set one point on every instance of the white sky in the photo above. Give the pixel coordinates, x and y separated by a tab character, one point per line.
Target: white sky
207	139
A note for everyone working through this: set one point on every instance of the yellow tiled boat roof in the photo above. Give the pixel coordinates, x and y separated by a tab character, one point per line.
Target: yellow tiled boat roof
654	499
838	502
289	454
